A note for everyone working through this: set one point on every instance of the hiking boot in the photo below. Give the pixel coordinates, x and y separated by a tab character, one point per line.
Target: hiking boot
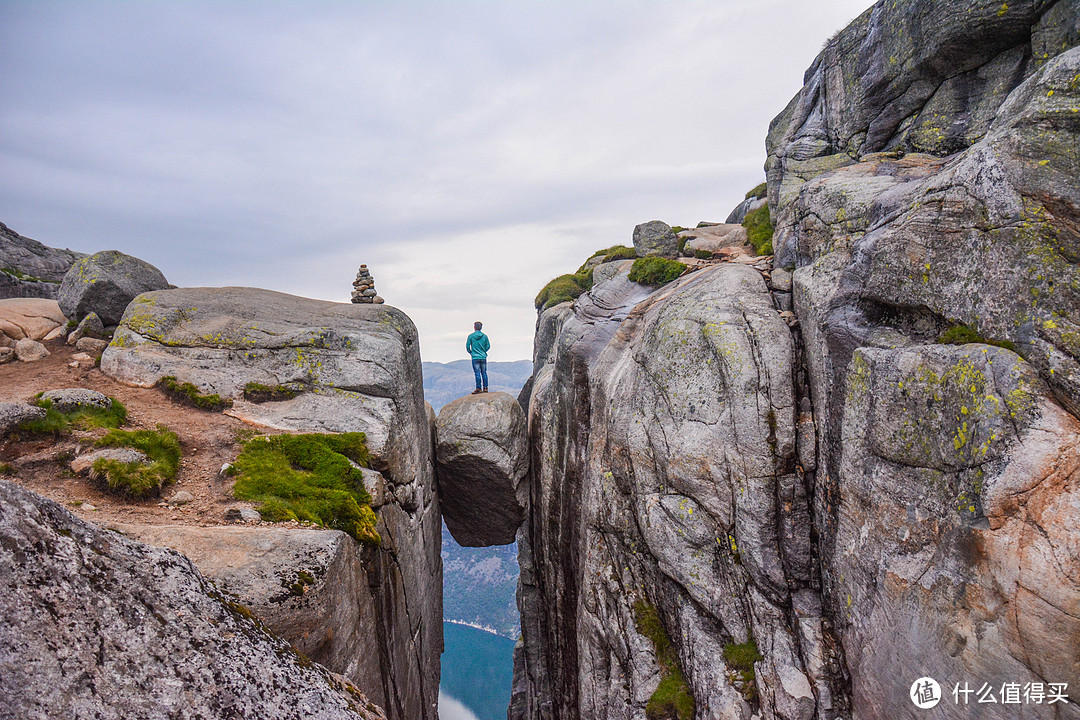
485	389
477	391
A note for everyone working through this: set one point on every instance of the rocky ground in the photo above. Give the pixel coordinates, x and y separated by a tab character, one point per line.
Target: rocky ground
208	439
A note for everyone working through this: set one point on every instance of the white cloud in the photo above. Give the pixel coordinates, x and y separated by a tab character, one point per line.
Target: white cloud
450	708
467	151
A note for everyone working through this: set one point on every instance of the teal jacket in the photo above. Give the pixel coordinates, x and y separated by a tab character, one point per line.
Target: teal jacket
477	345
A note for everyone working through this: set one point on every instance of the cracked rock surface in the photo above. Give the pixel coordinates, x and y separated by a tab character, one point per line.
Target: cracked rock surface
97	625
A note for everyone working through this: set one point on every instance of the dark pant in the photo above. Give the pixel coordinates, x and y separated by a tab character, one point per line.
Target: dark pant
479	368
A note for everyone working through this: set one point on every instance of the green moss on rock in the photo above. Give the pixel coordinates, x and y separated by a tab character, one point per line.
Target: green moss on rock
188	394
655	271
672	697
138	479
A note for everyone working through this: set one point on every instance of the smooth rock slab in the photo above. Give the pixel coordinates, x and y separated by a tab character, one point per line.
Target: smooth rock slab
482	457
32	318
97	625
105	283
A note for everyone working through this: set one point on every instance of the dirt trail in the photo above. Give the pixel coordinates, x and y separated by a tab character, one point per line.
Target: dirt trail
208	441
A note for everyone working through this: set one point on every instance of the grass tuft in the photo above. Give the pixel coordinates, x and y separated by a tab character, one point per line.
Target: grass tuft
7	469
140	479
964	334
259	393
188	394
759	191
58	423
759	230
741	657
655	271
309	477
672	697
563	288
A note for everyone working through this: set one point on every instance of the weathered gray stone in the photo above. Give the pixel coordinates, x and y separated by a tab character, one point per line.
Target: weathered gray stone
84	463
482	459
32	318
6	354
744	208
35	269
71	399
132	619
181	497
89	326
105	283
360	366
242	514
14	414
713	238
29	350
318	589
91	345
655	238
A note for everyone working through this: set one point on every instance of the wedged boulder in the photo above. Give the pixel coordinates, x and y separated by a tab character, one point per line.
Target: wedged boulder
314	588
105	283
358	366
482	458
98	625
32	318
30	269
655	238
713	238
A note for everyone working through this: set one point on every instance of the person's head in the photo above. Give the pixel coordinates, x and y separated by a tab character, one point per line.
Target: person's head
477	325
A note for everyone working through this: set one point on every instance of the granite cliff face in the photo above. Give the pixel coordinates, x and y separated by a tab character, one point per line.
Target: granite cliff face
349	367
29	268
794	462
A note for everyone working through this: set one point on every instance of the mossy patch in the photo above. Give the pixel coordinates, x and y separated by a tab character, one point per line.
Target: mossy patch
758	191
23	276
309	478
59	423
655	271
741	658
7	469
259	393
759	230
964	334
188	394
672	697
137	479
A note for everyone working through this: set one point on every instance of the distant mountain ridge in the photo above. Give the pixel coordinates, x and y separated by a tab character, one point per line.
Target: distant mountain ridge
445	382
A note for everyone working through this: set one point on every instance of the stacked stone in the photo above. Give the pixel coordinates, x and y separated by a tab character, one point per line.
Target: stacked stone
364	288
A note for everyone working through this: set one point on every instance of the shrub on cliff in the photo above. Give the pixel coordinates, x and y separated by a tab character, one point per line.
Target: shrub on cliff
655	271
311	477
563	288
759	230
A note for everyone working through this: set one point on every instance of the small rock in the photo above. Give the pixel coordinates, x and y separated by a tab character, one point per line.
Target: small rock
244	514
781	280
6	354
56	332
82	357
29	350
225	471
83	463
91	345
70	399
91	326
377	300
88	507
182	497
14	414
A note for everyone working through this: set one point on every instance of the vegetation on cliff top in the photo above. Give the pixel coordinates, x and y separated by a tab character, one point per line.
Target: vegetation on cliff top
311	477
139	479
655	271
672	697
758	191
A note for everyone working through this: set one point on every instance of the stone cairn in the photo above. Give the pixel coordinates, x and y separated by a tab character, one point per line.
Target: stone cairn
364	288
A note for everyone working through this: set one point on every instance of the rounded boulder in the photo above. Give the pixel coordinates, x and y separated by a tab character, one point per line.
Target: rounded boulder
482	460
105	283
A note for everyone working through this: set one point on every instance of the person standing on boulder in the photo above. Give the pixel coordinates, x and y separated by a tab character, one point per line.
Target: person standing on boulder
477	346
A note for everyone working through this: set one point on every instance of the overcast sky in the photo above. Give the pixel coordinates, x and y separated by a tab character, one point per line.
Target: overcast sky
468	152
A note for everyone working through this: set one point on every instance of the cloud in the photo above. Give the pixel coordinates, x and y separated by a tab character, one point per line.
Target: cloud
451	708
467	151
